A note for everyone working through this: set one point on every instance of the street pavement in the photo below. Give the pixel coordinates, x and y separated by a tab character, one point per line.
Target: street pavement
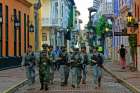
109	85
11	77
131	77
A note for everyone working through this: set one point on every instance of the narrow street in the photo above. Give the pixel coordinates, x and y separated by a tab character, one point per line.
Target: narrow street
109	85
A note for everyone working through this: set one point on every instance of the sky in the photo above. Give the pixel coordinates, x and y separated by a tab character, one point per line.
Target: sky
82	6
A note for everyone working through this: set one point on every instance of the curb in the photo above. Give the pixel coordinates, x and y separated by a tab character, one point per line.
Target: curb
16	87
123	82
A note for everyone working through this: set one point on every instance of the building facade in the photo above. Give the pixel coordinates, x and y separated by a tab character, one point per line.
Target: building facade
16	18
55	21
136	15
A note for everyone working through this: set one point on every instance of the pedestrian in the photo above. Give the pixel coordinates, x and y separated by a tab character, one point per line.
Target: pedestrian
28	60
76	68
64	67
84	65
44	68
56	55
122	52
97	64
50	52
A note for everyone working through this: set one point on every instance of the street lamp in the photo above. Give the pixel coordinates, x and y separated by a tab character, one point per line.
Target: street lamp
107	29
16	22
129	17
31	28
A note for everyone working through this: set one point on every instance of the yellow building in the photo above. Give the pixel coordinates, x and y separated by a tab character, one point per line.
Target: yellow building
16	17
32	22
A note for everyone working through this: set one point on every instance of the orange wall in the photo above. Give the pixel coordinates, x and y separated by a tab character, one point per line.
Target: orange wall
136	13
19	6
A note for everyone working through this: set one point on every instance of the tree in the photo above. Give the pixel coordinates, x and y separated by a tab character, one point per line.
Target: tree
133	47
101	25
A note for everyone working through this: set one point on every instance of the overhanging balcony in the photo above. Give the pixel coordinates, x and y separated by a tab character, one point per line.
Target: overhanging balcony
50	22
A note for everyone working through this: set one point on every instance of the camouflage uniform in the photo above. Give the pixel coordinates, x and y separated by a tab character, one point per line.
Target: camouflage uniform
44	69
64	68
84	60
76	67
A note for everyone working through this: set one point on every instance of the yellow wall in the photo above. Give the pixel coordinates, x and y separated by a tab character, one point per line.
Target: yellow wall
46	8
45	13
32	34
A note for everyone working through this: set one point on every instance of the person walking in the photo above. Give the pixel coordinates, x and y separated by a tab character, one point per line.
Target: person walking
44	68
50	52
76	67
64	68
97	63
84	65
28	60
122	52
56	54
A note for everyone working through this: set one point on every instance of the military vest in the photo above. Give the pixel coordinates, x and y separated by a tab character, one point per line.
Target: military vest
77	59
44	58
29	59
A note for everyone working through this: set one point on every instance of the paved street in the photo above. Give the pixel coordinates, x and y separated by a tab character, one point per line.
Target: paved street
131	77
109	85
11	77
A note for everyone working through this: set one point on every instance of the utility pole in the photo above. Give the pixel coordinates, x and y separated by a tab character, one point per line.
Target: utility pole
37	6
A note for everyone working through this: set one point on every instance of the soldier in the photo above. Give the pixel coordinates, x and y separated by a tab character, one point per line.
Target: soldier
64	68
50	52
97	61
28	60
84	65
76	67
44	68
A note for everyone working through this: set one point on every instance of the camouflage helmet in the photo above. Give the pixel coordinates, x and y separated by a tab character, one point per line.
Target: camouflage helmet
44	46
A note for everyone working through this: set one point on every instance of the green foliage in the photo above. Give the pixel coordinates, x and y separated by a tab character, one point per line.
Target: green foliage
101	25
133	45
133	40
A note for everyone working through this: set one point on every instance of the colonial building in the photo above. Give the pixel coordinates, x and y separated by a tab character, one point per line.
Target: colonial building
136	15
16	22
55	20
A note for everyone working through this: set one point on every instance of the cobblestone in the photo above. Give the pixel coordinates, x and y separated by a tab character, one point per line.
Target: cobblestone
109	85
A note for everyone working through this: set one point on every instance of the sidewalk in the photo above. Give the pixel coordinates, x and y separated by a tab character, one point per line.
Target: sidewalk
132	79
11	77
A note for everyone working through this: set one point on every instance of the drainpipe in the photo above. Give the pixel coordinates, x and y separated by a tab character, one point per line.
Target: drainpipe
37	6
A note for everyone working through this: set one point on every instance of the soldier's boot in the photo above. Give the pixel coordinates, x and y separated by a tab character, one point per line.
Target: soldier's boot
46	87
42	86
83	82
99	82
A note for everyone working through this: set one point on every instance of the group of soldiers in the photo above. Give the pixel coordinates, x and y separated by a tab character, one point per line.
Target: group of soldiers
50	60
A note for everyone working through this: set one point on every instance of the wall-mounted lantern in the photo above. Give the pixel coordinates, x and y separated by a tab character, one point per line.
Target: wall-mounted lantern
16	22
31	29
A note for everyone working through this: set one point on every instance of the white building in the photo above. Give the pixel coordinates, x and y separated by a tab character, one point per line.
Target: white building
55	15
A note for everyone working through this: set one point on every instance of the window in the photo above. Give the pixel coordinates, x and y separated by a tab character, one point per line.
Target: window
19	34
15	34
138	12
44	36
56	8
62	10
25	33
0	31
135	10
28	30
6	28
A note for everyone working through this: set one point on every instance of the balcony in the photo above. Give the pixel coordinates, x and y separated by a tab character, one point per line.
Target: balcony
50	22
